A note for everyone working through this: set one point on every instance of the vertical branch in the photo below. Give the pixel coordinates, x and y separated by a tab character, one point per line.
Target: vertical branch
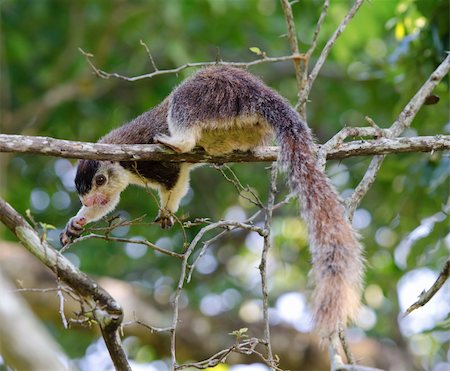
326	50
176	309
364	185
263	264
300	62
322	16
333	353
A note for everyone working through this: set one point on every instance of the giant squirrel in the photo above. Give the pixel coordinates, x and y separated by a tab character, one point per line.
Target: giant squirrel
223	109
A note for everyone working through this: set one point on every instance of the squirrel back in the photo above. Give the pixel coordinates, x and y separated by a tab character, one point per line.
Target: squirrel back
223	109
235	108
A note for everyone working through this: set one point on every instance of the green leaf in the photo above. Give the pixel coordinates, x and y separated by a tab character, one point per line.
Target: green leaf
47	226
239	333
256	50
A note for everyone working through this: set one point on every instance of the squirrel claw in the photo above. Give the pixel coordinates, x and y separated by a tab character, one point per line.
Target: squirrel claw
72	231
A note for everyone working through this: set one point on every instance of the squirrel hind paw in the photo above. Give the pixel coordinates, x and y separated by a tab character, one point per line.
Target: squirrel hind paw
165	220
179	146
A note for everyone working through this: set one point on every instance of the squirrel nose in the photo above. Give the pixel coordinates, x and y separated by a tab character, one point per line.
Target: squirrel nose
87	201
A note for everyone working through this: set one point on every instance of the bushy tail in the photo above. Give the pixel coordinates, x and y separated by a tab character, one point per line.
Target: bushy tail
336	253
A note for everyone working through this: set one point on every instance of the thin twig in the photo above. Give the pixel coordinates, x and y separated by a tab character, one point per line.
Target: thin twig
107	75
301	61
426	296
346	348
128	240
206	244
326	50
61	303
38	290
322	16
67	290
263	265
153	330
242	190
184	274
246	347
364	185
152	61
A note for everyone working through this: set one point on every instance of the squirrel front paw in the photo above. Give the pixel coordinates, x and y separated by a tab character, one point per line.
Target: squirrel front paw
165	219
73	230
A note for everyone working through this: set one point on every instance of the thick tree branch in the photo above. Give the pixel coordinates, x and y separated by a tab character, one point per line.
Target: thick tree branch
102	307
137	152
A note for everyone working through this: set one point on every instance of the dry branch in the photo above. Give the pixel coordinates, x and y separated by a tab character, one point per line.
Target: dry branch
154	152
263	265
107	75
103	308
327	49
403	121
426	296
300	63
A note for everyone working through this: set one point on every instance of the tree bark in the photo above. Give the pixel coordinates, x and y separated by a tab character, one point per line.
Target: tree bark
154	152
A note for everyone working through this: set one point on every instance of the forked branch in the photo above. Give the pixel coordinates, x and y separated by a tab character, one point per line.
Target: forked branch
102	307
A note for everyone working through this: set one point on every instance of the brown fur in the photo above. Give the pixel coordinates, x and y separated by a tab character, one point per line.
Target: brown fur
241	109
224	109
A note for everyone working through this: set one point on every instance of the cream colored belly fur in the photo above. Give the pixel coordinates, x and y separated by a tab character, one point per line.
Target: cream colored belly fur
242	134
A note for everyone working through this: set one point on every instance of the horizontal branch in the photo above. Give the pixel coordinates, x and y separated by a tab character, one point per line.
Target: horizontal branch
154	152
157	72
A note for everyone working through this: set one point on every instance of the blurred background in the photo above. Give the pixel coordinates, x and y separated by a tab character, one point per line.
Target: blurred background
386	53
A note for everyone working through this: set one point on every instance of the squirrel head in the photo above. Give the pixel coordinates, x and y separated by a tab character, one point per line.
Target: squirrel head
99	182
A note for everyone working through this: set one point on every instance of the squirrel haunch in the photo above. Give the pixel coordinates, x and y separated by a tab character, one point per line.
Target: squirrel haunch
223	109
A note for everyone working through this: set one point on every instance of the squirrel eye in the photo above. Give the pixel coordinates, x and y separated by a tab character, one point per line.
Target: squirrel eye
100	180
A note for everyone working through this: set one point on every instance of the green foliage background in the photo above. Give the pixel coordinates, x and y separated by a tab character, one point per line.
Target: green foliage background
384	56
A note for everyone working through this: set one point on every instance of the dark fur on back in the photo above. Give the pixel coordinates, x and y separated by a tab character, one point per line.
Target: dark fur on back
165	173
85	173
142	130
224	96
232	108
219	93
